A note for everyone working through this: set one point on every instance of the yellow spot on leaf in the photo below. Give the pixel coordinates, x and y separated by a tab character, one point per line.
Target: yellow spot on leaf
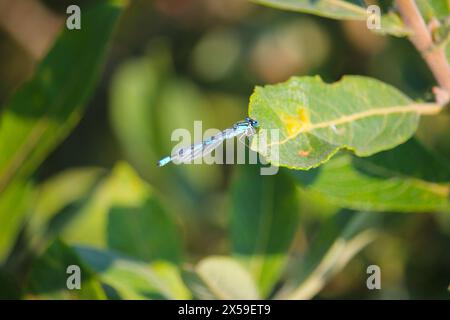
296	122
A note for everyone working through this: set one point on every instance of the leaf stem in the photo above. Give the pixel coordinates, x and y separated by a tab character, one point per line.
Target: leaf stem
422	39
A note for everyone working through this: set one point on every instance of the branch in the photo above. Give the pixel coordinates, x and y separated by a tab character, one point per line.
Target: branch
433	55
31	24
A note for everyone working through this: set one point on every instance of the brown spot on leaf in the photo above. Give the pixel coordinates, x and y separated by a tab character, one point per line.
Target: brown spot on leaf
304	153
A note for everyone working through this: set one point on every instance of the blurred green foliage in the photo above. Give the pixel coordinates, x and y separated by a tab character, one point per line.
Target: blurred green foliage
96	198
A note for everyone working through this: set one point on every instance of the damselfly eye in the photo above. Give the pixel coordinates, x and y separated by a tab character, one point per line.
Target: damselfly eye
254	123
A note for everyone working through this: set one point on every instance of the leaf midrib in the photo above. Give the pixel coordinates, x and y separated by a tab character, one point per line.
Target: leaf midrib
423	108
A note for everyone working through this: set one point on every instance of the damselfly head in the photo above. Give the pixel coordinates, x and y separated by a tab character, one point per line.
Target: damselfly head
252	122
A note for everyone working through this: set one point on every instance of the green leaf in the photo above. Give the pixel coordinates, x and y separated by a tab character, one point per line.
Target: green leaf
447	51
60	193
14	203
45	110
264	219
9	287
55	204
341	10
124	214
339	240
314	119
221	278
131	279
48	278
146	232
409	178
433	9
171	276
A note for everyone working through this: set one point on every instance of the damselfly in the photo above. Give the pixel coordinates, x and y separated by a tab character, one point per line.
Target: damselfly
241	129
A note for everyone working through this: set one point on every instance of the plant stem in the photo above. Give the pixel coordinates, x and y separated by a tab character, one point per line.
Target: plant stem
422	39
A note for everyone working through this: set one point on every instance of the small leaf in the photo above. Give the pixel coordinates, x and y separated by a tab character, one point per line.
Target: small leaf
339	240
59	193
339	9
42	113
315	119
55	204
146	232
48	278
171	276
14	203
124	214
221	278
132	279
408	178
264	218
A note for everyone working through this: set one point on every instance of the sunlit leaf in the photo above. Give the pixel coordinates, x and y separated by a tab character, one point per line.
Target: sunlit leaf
59	194
221	278
314	119
55	204
408	178
48	278
339	240
45	110
131	279
125	215
339	9
171	276
14	203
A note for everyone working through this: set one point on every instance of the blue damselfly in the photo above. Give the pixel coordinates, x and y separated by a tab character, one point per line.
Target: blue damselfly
241	129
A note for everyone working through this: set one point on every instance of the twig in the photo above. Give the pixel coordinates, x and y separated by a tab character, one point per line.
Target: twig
422	39
31	24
